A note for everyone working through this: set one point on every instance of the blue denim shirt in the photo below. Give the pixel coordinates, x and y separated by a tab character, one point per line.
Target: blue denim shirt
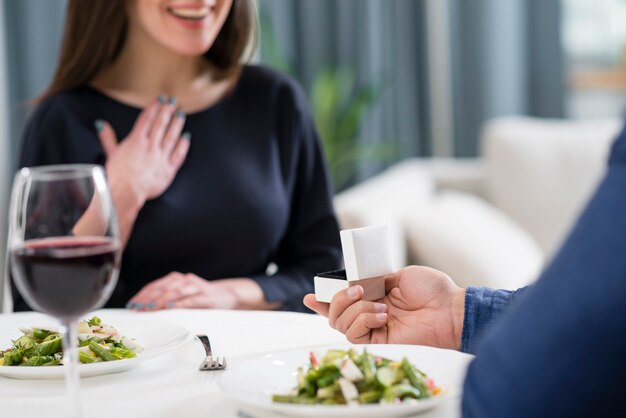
483	306
559	349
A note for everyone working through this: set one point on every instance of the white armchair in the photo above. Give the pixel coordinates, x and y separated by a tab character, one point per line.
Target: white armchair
491	221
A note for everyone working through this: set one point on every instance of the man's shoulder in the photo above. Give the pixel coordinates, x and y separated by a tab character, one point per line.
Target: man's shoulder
618	152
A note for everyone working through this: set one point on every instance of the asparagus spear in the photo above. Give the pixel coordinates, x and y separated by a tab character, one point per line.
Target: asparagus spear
101	352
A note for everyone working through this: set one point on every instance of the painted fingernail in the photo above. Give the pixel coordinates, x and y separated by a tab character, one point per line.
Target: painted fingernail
380	307
186	136
99	124
381	316
151	305
171	305
353	291
138	305
130	305
161	98
172	100
180	113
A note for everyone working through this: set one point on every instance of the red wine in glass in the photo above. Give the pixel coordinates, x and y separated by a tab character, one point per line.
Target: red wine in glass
65	277
64	249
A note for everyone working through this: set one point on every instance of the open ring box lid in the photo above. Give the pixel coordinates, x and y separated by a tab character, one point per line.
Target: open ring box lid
367	260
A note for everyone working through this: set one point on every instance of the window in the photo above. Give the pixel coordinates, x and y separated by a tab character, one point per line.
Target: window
594	38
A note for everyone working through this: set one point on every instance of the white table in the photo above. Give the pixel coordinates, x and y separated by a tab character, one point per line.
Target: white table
171	385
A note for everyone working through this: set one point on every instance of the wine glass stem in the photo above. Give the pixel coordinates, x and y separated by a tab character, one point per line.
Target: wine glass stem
70	362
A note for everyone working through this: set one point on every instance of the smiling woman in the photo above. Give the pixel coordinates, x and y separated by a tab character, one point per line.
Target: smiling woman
204	217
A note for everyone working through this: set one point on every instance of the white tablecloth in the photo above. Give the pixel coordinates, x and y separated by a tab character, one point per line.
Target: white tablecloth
171	385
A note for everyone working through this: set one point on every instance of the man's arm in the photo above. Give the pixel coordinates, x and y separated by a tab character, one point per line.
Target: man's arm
484	306
560	352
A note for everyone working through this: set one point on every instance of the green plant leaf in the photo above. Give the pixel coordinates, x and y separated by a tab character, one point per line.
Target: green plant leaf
346	166
339	106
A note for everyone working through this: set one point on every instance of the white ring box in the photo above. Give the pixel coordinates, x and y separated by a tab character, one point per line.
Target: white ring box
367	259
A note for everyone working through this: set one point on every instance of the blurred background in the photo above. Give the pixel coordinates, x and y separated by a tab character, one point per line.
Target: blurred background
489	120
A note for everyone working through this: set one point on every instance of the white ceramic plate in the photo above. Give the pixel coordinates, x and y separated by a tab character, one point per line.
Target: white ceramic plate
252	384
158	337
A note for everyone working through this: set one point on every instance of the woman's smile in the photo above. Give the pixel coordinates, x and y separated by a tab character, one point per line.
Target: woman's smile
192	15
187	27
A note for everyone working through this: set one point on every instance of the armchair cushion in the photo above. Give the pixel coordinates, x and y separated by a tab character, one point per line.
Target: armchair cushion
541	172
474	242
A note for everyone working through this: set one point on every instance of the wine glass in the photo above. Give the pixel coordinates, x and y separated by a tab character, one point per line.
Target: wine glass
64	249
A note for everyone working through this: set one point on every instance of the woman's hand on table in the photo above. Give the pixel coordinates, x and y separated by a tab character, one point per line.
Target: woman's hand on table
144	164
422	306
178	290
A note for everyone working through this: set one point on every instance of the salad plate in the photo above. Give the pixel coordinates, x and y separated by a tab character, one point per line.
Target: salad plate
253	384
156	336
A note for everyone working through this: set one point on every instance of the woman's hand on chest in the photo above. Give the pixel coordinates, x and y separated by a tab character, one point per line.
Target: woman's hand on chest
147	160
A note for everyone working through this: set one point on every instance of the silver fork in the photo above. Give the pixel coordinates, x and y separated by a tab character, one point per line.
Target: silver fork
210	362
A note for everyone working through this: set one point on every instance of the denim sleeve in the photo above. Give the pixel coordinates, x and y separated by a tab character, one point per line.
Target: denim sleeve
483	306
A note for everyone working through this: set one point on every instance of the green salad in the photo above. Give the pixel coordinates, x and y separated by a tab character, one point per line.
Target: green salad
345	377
43	347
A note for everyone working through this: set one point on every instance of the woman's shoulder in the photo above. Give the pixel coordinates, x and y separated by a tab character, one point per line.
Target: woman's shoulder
266	80
264	75
60	130
59	107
